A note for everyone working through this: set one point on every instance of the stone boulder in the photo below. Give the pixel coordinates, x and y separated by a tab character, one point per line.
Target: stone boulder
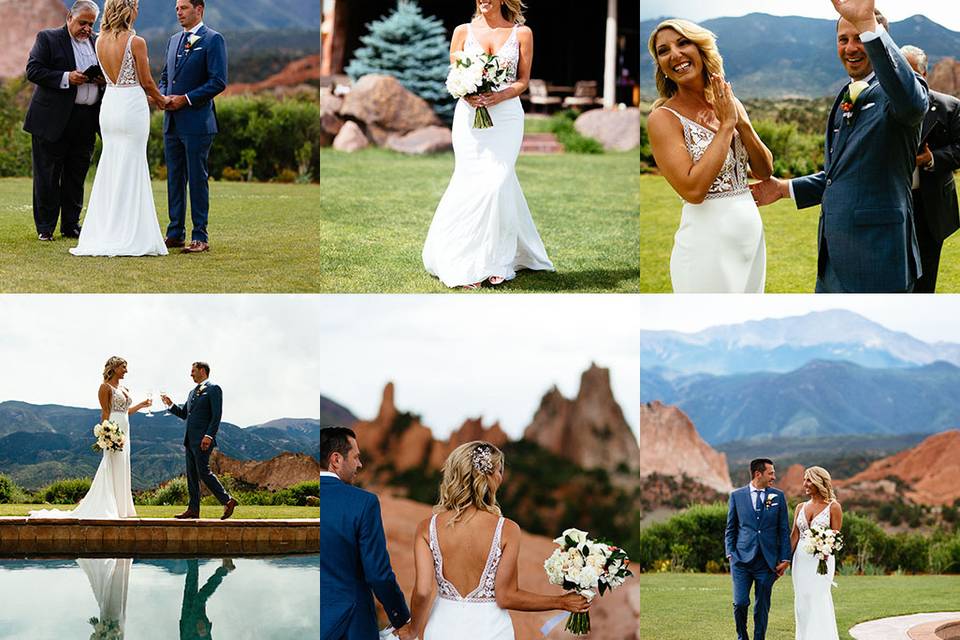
432	139
385	107
21	23
615	129
330	120
945	77
280	472
350	138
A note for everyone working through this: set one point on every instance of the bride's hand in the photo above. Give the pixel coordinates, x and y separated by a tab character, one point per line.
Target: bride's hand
574	603
724	103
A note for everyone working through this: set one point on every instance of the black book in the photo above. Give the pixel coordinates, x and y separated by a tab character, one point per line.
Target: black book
93	73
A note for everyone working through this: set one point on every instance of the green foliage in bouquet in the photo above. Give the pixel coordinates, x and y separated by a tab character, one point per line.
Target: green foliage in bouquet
68	491
412	48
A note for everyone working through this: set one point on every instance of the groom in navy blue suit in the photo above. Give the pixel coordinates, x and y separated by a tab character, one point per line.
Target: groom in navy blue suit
757	543
354	558
194	74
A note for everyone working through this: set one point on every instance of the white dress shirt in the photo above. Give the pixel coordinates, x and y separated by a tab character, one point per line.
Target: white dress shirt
753	495
330	474
86	57
193	31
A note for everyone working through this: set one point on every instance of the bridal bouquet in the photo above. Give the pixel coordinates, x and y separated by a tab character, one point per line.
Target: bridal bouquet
106	629
109	436
475	73
587	567
823	543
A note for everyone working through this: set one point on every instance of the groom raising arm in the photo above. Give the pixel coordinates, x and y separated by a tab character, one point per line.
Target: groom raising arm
866	239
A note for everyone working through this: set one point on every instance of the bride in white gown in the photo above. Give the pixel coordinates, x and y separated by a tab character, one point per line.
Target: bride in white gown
110	496
121	218
482	229
813	601
467	547
704	144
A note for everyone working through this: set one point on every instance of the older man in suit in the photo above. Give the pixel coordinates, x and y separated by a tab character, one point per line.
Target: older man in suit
63	119
867	242
934	188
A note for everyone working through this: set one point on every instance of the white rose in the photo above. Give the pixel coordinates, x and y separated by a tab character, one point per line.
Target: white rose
579	537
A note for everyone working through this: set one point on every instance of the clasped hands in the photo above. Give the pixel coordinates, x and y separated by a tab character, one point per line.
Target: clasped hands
170	103
488	99
406	632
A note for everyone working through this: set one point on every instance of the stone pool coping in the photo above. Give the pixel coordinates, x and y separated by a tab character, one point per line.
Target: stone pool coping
904	627
20	536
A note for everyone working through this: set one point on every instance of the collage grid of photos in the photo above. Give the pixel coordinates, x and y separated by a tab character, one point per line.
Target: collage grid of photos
260	379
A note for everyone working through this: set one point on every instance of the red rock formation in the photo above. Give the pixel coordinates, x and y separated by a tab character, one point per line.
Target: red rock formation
791	482
21	21
284	470
945	77
589	430
294	74
615	616
931	470
672	447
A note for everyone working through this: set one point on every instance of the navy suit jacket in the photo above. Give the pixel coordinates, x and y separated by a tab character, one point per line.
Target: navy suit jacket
866	219
202	412
201	75
50	107
941	131
354	561
746	533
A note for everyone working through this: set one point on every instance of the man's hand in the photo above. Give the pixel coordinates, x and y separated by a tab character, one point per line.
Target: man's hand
782	568
769	191
205	443
175	103
165	400
406	632
859	13
926	157
76	78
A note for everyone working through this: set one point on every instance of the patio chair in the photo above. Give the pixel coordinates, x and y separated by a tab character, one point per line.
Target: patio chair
584	95
539	95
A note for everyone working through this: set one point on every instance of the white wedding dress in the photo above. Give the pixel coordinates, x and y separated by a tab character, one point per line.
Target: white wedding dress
482	227
109	579
476	615
719	247
110	496
813	601
121	216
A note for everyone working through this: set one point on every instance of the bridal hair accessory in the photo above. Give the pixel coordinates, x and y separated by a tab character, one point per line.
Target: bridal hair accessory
483	460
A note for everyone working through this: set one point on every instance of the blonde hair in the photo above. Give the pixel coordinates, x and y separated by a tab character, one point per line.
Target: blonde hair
118	16
110	368
465	483
820	478
706	43
511	10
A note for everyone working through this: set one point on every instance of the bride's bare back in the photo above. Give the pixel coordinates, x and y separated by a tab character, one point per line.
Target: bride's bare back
465	547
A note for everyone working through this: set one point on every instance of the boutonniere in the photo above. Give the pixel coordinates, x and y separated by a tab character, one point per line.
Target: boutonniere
203	387
192	40
854	89
770	501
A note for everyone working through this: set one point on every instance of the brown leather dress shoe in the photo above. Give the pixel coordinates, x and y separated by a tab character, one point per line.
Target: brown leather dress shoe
196	247
173	243
228	508
187	515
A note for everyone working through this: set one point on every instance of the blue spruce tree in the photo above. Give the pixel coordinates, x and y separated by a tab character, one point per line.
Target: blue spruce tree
412	48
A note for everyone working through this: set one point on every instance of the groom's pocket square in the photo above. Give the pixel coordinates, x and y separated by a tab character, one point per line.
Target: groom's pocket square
868	106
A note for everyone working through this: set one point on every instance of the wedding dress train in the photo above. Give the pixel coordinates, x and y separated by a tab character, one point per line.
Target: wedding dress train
121	216
813	601
110	496
482	227
475	616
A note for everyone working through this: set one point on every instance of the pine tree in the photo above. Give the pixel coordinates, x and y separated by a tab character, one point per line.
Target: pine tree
412	48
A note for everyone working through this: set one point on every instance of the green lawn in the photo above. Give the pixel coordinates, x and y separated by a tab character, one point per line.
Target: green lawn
211	512
263	239
377	206
698	606
791	237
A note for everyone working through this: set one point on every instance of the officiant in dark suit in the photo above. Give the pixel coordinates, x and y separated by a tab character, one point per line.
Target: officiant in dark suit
63	119
934	189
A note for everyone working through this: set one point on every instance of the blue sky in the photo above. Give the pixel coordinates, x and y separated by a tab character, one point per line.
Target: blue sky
946	12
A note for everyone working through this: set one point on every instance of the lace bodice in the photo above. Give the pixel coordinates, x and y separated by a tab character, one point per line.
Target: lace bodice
732	180
120	401
485	590
822	519
128	70
508	54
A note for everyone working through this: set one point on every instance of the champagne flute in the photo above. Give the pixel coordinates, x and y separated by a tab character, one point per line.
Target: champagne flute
167	412
149	403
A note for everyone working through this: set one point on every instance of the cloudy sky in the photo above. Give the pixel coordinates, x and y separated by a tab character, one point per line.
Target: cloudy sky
262	349
929	318
945	12
454	357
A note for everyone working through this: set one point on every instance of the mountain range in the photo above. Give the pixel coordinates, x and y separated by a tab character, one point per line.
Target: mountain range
43	443
769	56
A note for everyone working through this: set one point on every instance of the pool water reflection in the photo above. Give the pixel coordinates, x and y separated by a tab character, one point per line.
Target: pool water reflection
187	598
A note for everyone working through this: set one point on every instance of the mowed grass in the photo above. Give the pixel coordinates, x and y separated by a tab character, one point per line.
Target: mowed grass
248	512
689	606
263	239
791	238
377	206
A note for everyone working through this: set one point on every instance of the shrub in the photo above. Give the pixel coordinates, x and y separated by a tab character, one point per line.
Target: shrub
945	555
68	491
170	493
10	492
701	527
794	153
573	142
